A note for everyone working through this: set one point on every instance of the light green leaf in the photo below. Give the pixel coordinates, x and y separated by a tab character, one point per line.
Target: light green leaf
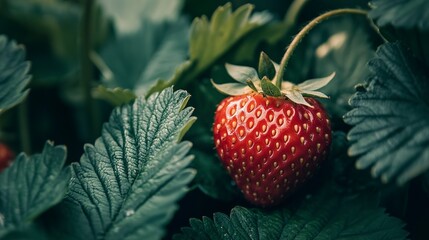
127	14
401	13
13	74
323	216
138	60
241	73
30	186
115	96
210	40
390	117
127	184
221	33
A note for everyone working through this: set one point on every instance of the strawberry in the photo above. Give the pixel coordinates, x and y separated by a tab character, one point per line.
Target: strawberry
270	145
6	156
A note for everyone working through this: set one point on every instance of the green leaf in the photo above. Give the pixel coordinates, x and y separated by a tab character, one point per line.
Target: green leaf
221	33
268	88
115	96
401	13
127	184
13	74
137	61
30	186
342	46
390	117
127	14
212	178
323	216
269	33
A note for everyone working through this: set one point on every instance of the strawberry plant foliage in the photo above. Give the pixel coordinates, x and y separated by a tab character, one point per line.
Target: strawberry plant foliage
30	186
323	216
13	74
127	14
332	54
136	61
401	13
221	32
127	183
390	117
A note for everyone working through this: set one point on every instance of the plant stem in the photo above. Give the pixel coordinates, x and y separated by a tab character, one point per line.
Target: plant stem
304	32
24	131
86	67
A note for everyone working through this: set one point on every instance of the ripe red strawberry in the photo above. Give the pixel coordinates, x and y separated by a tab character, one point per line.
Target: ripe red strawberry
6	156
270	145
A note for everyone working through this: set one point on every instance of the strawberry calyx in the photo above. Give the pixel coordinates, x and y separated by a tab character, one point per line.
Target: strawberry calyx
248	81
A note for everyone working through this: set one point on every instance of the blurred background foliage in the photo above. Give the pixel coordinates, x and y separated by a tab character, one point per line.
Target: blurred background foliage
142	46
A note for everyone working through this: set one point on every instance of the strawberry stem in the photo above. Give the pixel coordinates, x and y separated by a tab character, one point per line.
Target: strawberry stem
288	54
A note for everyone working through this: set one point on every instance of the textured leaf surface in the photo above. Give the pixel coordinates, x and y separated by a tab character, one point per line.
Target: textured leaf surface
390	117
13	74
127	183
127	15
30	186
401	13
138	60
319	217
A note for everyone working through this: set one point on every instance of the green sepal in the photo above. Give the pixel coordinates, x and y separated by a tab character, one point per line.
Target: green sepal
266	67
232	89
252	85
269	89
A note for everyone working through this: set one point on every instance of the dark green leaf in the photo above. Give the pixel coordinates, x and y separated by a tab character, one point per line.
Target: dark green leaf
390	118
406	21
401	13
212	178
266	67
30	186
269	88
425	180
127	183
342	47
115	96
323	216
127	14
13	74
138	60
